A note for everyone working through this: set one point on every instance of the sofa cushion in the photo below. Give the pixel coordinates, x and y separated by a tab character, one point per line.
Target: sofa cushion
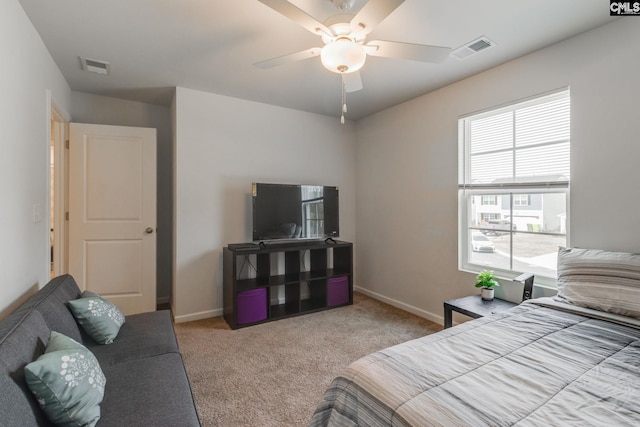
157	387
99	318
142	335
67	382
23	337
51	301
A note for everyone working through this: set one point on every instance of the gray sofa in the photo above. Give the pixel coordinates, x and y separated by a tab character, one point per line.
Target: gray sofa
147	384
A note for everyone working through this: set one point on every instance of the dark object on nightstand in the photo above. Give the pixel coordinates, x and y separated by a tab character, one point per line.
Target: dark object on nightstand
474	306
527	280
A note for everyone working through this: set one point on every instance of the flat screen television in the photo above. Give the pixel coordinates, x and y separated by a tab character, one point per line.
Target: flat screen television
288	212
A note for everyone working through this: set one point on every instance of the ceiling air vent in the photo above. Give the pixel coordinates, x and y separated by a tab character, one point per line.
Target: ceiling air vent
94	66
472	48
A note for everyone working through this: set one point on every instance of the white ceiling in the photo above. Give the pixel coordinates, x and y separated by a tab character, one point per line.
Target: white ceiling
210	45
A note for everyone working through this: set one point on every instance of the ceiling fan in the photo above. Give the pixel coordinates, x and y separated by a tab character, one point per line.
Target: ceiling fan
345	48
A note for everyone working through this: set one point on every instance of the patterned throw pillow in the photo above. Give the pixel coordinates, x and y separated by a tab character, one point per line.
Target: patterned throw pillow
67	382
99	318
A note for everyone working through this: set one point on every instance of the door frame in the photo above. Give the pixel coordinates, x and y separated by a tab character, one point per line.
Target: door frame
58	132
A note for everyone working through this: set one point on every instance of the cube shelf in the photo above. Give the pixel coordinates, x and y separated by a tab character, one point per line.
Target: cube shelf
291	279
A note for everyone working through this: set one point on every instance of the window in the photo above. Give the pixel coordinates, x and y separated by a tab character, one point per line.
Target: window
312	211
488	216
514	186
489	200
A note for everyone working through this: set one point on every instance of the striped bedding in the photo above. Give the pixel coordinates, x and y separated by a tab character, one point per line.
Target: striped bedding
535	365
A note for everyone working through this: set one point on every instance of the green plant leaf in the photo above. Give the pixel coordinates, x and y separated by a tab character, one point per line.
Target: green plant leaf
486	279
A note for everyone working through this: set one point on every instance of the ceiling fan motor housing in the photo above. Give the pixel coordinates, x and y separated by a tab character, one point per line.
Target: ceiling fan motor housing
343	4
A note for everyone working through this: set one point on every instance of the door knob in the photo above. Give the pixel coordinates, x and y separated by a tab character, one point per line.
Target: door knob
148	230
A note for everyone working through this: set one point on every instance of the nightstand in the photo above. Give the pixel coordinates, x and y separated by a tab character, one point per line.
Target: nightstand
474	306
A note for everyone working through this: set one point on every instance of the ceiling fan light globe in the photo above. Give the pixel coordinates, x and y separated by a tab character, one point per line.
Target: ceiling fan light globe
343	56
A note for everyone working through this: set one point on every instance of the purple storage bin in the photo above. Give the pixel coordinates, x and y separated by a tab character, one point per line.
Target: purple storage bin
252	306
337	291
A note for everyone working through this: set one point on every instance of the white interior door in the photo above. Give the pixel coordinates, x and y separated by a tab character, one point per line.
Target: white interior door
112	213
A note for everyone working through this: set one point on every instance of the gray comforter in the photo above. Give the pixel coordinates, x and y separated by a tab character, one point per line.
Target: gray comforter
531	366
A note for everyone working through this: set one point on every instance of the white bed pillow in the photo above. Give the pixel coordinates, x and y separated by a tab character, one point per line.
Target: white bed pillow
602	280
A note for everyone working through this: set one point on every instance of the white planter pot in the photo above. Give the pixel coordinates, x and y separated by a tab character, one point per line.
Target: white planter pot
486	293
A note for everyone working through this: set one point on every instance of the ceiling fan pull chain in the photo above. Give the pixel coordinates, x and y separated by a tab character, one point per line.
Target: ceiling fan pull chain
344	99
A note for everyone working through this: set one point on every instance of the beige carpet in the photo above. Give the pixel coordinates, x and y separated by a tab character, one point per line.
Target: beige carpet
275	374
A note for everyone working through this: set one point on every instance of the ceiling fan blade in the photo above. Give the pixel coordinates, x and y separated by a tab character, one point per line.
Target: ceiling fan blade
410	51
372	14
297	15
285	59
352	81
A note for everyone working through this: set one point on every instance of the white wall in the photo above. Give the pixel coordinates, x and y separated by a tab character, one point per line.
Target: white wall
407	166
88	108
407	239
26	74
224	144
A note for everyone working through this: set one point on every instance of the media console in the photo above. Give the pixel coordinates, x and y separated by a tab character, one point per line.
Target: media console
262	283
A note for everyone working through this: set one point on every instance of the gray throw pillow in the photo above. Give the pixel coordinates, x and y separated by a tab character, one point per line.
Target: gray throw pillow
601	280
67	382
99	318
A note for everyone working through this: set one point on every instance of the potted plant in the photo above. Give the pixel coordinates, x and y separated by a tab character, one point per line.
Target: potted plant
486	282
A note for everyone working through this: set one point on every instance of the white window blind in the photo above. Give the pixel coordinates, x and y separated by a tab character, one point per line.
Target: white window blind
525	143
518	157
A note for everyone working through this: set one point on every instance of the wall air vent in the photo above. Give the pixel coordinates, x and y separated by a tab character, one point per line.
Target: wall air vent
94	66
472	48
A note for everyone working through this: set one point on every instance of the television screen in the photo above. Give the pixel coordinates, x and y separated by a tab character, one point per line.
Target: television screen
283	211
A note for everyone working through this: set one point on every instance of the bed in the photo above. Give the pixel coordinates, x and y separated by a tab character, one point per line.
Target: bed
569	360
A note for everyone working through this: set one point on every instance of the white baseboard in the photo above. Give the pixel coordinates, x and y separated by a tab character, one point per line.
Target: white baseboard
198	316
163	300
406	307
